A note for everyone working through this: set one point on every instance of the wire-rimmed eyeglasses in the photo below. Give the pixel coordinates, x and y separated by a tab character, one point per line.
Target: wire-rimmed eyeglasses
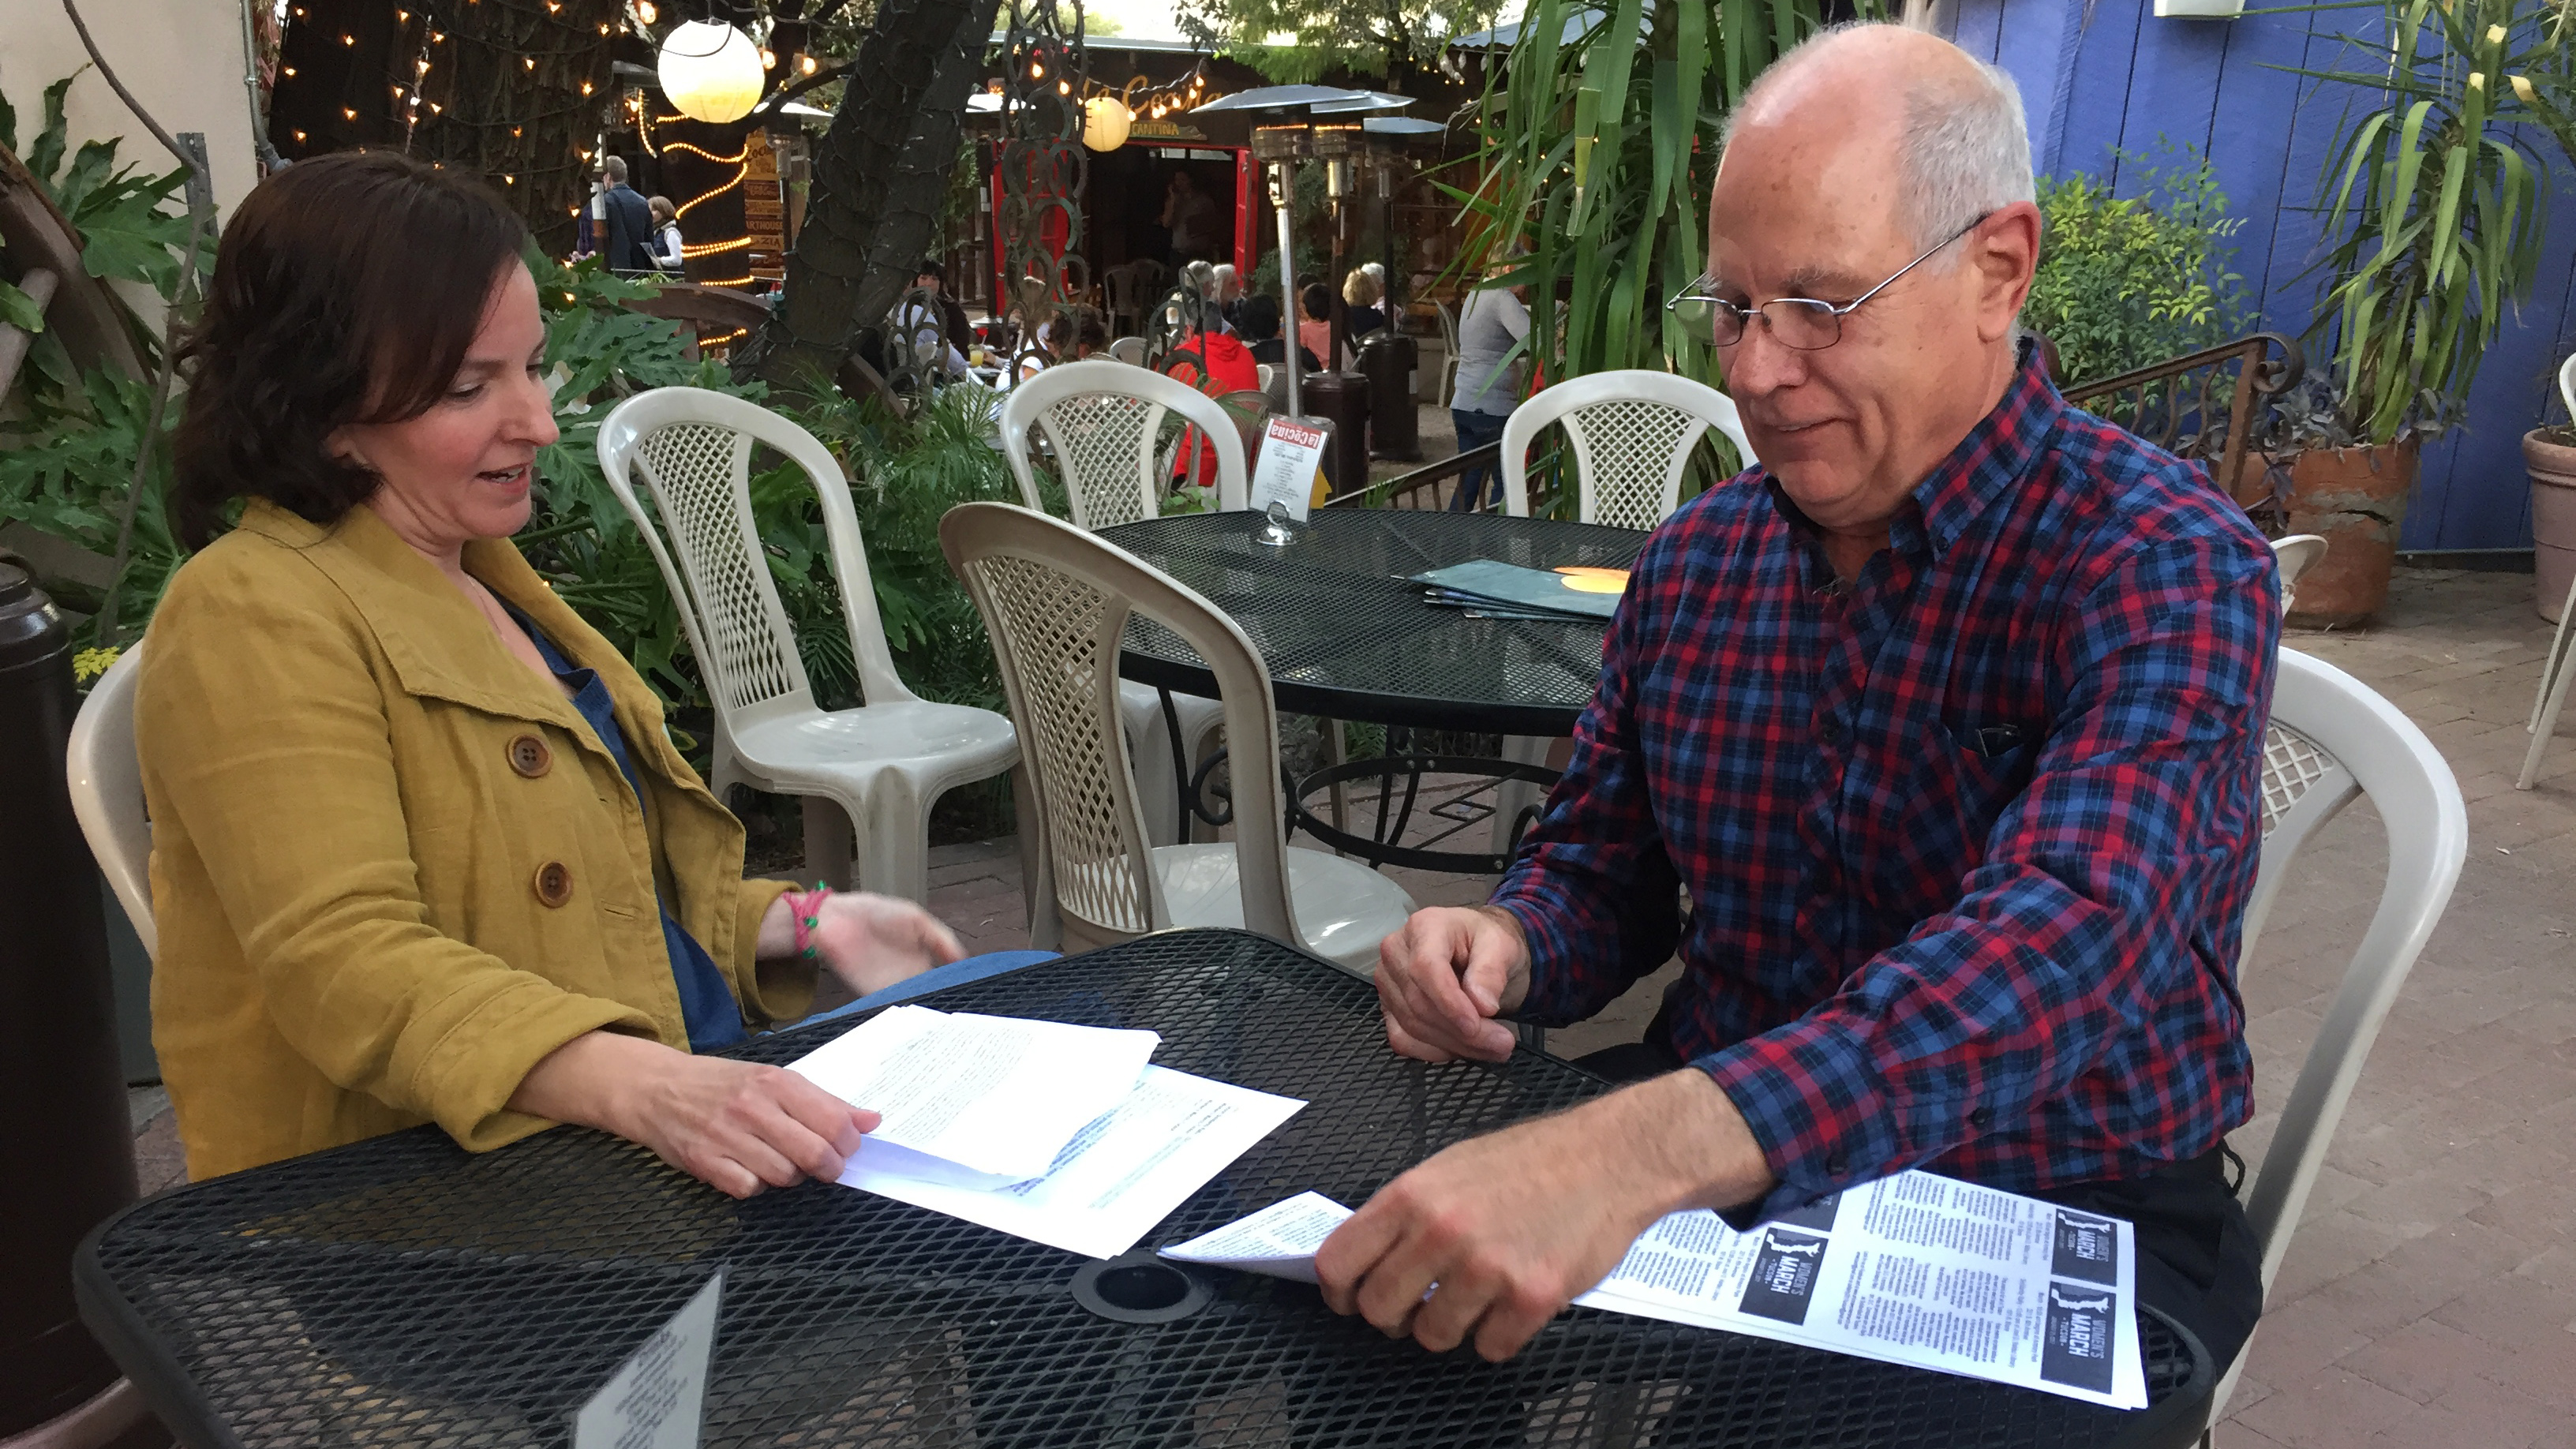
1800	322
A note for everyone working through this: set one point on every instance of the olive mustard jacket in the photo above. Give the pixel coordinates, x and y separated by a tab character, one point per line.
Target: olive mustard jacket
391	867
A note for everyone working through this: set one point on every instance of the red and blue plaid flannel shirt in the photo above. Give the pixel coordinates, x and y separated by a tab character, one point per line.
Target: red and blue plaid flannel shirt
1966	845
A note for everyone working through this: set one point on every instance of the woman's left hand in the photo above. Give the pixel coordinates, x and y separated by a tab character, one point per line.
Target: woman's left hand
872	941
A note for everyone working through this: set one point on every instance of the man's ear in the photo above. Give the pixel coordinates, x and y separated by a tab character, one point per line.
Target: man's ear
2006	256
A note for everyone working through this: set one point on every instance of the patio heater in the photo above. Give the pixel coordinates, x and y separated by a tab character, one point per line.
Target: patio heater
1279	149
1340	149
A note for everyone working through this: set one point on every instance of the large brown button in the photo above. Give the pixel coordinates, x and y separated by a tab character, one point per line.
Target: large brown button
553	883
529	756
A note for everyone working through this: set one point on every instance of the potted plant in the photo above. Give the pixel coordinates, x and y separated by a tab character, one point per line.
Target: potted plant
2431	200
2549	455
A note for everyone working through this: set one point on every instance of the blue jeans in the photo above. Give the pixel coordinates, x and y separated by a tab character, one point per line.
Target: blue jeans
937	978
1475	430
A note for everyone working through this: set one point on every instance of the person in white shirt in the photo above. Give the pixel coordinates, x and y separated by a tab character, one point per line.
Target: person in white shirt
666	233
1488	388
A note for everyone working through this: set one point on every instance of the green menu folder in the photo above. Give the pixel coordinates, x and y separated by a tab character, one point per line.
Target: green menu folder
1509	586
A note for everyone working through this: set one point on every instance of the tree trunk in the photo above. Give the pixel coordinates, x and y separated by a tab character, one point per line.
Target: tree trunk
514	93
881	176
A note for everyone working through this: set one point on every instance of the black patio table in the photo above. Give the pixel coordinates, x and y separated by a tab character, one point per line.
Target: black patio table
402	1291
1346	638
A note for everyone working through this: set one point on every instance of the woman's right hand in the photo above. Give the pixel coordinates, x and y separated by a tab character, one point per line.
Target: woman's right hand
739	1127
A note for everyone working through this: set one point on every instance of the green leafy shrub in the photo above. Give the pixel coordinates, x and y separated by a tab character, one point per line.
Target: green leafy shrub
69	438
2128	281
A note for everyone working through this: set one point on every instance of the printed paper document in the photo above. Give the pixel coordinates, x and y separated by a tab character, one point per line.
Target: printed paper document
1117	1178
1912	1269
996	1096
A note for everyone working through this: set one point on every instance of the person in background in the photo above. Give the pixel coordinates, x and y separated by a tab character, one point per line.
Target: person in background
1086	333
1489	379
590	232
629	240
422	848
1215	364
1191	218
932	277
935	323
1315	319
1228	297
666	234
1362	290
1260	334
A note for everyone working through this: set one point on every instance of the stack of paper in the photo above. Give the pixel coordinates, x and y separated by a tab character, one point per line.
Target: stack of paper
1064	1135
1913	1269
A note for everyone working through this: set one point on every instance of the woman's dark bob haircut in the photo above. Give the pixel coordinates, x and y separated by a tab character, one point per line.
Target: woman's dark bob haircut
347	290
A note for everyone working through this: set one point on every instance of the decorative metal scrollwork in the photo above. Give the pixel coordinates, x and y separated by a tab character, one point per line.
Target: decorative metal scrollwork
1042	168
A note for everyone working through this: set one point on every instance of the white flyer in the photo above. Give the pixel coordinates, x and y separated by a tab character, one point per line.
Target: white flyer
1913	1269
1292	449
995	1096
657	1399
1123	1173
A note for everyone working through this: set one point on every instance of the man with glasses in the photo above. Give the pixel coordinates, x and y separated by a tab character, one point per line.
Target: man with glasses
1946	724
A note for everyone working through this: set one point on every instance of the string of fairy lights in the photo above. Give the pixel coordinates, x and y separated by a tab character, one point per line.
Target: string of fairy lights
425	52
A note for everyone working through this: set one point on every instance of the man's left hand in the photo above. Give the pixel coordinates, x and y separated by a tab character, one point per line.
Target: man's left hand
1513	1225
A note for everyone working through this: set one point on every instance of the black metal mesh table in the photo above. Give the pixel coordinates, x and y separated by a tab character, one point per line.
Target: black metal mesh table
401	1291
1345	637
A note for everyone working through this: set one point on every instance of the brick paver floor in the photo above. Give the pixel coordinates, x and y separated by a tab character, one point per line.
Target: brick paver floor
2429	1297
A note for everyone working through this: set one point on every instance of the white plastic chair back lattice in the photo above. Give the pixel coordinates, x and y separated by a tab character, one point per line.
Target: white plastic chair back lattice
2333	741
1057	601
884	763
1104	422
1632	432
107	792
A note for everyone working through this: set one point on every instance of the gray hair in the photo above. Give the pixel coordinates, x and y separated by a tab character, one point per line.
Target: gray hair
614	168
1966	150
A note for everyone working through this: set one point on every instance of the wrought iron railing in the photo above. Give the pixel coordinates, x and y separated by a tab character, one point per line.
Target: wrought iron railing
2201	405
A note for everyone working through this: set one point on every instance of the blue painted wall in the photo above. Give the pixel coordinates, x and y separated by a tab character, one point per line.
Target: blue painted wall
2096	74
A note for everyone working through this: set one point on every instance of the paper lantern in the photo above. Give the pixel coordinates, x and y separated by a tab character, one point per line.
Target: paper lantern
1104	123
711	72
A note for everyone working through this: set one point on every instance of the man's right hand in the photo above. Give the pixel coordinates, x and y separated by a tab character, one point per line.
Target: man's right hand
1444	977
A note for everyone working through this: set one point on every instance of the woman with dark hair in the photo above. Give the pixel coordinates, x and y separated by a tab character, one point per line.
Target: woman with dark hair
422	849
1315	319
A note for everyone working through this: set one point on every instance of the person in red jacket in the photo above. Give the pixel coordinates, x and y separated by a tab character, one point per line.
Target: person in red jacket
1215	364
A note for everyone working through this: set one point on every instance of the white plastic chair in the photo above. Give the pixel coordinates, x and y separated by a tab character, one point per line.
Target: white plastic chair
2555	670
1129	350
107	792
1056	601
1632	431
1104	423
2332	741
879	767
2296	555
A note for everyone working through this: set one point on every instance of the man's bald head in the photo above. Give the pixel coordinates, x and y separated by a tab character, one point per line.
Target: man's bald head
1952	124
1882	166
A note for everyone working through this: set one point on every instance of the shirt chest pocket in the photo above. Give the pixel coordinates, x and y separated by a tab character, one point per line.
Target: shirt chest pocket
1978	764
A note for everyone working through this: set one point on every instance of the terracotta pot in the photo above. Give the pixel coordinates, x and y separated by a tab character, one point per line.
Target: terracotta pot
2553	518
2354	498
